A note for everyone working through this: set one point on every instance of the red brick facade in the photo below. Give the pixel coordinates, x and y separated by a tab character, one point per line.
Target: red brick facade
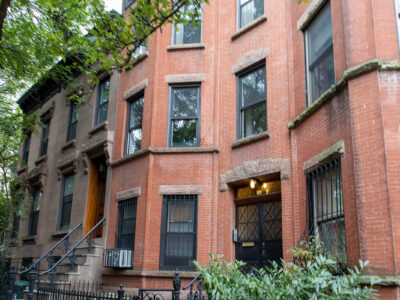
363	111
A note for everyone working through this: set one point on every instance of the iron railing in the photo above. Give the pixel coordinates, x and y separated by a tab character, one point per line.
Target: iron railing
197	293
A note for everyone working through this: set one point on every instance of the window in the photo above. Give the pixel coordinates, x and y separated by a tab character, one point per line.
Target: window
184	125
252	103
188	33
126	224
320	69
134	125
397	15
249	10
178	232
140	50
34	215
128	3
325	208
44	141
72	121
66	201
25	264
25	148
102	101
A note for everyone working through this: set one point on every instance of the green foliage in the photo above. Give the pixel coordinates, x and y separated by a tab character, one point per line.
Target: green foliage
224	280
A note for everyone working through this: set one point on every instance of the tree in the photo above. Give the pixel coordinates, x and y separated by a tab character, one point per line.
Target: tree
56	38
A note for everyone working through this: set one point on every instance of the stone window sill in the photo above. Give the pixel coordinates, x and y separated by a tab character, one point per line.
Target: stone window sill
100	127
29	239
185	47
41	159
251	139
59	234
70	144
140	58
248	27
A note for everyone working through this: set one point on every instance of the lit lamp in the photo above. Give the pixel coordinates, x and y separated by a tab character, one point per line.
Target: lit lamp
252	183
266	187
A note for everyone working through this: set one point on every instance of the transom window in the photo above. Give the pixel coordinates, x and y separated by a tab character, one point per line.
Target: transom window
188	32
126	224
320	69
184	125
325	208
252	103
66	201
134	125
72	121
248	10
178	232
102	101
44	140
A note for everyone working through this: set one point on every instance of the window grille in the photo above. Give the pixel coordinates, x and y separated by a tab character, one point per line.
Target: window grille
325	210
178	232
125	238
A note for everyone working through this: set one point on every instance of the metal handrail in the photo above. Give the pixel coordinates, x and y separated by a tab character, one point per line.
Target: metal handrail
72	249
198	277
50	250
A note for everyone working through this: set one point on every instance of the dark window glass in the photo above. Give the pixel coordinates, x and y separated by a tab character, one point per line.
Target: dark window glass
66	204
188	33
25	149
178	232
184	116
25	264
134	125
34	215
126	224
250	10
72	121
326	208
102	101
44	141
319	58
128	3
252	103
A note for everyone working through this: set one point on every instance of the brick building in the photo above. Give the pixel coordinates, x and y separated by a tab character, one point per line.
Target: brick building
269	123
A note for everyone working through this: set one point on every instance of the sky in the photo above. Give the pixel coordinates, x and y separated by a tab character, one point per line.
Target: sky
113	4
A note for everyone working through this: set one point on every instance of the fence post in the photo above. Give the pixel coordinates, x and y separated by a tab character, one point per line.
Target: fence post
32	278
121	292
12	274
177	286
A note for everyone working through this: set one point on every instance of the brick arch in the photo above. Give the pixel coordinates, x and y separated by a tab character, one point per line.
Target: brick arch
255	168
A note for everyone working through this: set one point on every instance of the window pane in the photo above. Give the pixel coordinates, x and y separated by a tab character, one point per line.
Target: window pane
253	87
136	113
102	114
180	245
319	34
69	185
333	235
191	33
322	76
134	141
255	120
250	10
185	102
37	195
184	133
105	90
180	216
66	214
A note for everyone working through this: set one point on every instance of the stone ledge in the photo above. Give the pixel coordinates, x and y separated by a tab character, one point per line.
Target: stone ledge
140	58
149	273
171	150
364	68
41	159
180	189
248	27
185	47
127	194
321	158
59	234
136	89
31	239
100	127
70	144
381	280
185	78
251	139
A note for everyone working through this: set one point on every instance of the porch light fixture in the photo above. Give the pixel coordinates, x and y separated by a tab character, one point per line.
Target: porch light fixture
253	183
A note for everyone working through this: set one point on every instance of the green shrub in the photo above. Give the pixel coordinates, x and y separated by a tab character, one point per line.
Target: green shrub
314	280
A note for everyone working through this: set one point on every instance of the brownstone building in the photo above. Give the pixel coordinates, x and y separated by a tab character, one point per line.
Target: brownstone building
270	123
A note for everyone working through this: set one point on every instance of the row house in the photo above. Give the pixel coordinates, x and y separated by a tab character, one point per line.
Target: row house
268	124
